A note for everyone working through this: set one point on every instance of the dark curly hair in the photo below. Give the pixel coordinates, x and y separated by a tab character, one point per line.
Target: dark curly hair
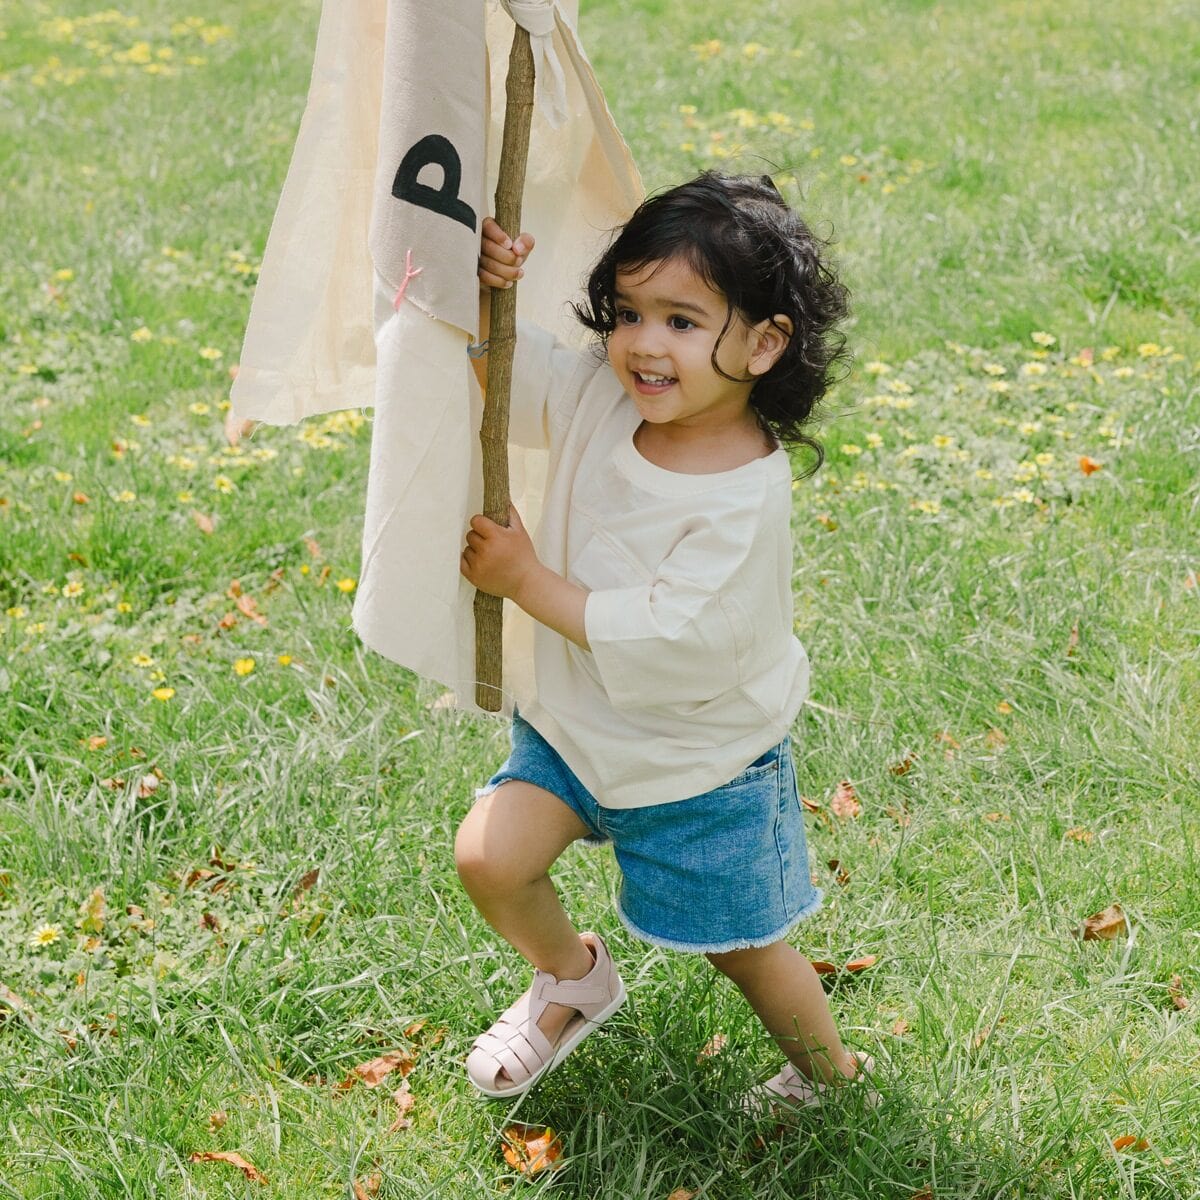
739	235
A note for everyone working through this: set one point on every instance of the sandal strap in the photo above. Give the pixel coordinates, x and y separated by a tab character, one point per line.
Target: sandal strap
573	993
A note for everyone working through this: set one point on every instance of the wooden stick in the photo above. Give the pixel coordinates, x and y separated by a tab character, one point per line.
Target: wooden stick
493	433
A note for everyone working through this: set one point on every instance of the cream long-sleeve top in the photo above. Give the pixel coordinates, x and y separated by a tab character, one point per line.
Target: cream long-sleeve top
694	670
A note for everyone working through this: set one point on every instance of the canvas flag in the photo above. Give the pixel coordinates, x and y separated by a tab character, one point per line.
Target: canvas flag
368	291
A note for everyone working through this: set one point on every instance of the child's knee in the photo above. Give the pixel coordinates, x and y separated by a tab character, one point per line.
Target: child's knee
479	870
739	965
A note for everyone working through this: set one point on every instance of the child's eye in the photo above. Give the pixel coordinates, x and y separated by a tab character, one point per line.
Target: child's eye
679	324
626	316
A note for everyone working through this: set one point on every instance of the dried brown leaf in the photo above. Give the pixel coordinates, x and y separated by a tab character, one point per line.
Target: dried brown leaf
1073	640
203	523
712	1047
305	884
1078	834
861	964
97	742
252	1173
905	765
373	1073
682	1194
248	607
530	1149
1129	1142
823	968
1106	925
901	1027
364	1189
217	1120
845	803
1175	991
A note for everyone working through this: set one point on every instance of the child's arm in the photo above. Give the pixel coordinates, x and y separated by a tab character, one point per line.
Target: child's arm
503	562
500	261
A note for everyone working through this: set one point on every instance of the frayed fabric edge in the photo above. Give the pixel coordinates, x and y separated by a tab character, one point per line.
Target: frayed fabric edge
721	947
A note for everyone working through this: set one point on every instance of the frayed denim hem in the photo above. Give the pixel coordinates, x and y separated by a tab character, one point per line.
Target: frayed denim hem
721	947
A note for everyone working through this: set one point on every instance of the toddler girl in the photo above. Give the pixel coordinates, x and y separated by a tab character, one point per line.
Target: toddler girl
667	673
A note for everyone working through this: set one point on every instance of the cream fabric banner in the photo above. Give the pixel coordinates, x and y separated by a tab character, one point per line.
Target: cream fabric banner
368	293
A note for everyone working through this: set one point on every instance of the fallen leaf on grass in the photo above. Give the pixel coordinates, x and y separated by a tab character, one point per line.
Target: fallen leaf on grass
228	621
712	1047
1089	466
1073	640
203	523
528	1149
996	816
1129	1142
248	607
404	1100
306	883
97	742
995	739
1107	925
861	964
682	1194
148	785
845	802
365	1188
840	872
810	805
853	967
1175	991
1077	833
251	1172
373	1073
900	1028
905	765
923	1194
216	1120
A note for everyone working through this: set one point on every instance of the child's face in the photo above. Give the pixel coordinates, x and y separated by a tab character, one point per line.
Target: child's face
668	322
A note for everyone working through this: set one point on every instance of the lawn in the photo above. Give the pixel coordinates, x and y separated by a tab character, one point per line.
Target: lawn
226	878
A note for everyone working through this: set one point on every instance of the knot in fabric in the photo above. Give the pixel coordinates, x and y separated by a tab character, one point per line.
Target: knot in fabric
538	18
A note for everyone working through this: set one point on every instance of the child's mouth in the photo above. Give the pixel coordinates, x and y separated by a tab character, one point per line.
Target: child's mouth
652	385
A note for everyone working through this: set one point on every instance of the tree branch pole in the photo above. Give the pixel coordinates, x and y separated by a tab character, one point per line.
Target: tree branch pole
493	432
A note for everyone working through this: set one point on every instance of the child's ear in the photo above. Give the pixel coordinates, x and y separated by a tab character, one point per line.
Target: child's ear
769	340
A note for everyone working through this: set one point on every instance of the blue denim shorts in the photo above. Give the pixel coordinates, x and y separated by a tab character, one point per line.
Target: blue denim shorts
722	871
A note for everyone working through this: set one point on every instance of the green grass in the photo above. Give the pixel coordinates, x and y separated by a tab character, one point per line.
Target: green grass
1023	634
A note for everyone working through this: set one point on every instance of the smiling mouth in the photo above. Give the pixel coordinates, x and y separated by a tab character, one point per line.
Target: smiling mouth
652	383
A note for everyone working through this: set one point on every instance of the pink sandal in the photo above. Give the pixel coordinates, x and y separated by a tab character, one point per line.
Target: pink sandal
791	1089
515	1044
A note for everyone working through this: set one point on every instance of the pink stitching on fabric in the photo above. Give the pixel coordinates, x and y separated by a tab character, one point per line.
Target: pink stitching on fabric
409	273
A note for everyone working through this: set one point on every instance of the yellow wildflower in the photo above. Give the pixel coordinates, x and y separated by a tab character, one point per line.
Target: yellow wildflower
163	693
72	589
199	408
849	448
994	369
1033	368
222	483
141	660
1044	459
211	353
243	666
347	585
942	440
45	935
1043	339
285	660
1149	349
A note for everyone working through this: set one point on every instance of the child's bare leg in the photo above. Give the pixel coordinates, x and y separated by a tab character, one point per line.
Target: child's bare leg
503	851
786	993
